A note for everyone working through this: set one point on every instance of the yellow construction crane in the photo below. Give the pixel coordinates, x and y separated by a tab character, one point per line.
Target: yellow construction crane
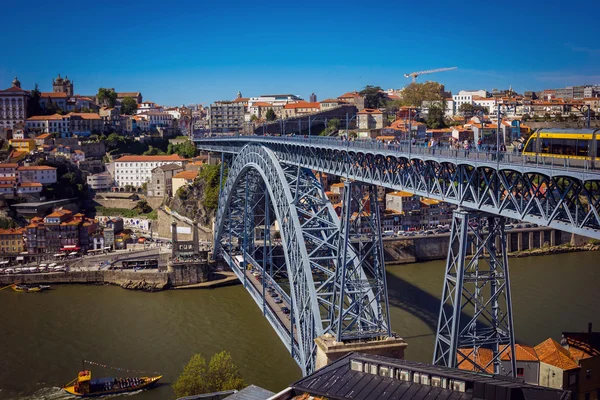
429	71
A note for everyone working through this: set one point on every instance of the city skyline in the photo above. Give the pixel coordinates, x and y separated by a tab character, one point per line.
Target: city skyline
202	55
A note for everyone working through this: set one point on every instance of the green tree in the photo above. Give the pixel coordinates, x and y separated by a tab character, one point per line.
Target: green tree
143	207
435	118
525	117
270	116
107	97
198	378
253	117
33	104
333	124
128	106
374	96
547	117
466	109
415	94
153	151
186	149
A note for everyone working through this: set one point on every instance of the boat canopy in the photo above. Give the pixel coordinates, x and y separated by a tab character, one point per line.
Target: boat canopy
74	253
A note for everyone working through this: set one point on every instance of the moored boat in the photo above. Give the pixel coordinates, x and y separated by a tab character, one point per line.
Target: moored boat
85	386
26	288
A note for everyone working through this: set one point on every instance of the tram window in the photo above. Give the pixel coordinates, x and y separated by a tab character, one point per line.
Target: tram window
564	146
582	147
531	145
545	146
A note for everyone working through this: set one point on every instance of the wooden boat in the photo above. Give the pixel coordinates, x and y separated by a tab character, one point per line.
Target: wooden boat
85	386
26	288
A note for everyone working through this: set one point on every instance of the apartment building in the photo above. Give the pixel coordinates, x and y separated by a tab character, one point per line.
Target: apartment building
226	116
11	241
137	170
13	105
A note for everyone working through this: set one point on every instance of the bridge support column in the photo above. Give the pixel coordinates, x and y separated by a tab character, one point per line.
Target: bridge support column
482	284
530	240
520	241
552	237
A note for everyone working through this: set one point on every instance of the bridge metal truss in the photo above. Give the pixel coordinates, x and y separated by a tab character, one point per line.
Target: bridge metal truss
258	190
567	199
478	291
564	200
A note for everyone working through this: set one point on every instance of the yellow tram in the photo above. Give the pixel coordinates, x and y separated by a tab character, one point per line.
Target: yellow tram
582	144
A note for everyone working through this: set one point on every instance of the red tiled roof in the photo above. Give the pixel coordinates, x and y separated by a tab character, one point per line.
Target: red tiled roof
43	136
241	100
582	345
302	104
85	115
349	94
9	165
188	175
30	184
370	111
8	178
172	157
46	117
12	231
14	89
127	94
261	104
524	353
482	357
54	95
36	168
552	353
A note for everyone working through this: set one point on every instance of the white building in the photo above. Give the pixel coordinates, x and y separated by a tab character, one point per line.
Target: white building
275	99
136	170
50	124
489	103
157	118
37	173
148	106
13	105
460	99
29	187
102	181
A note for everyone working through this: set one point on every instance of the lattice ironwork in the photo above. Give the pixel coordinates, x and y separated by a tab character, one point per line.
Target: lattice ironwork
544	191
360	283
476	311
309	229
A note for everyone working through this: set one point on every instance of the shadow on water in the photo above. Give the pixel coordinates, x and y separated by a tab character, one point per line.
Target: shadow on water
419	303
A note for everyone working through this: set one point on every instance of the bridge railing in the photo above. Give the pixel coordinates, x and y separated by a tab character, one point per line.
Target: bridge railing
513	158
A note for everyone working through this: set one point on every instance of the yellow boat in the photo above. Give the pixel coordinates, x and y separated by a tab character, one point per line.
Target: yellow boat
85	386
25	288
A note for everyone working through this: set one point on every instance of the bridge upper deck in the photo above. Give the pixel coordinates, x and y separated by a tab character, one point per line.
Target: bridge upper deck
583	170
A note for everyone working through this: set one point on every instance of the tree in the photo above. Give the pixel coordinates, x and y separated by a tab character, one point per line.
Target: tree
525	118
253	117
143	207
333	124
270	116
153	151
197	378
107	97
374	96
466	109
415	94
33	104
435	117
128	106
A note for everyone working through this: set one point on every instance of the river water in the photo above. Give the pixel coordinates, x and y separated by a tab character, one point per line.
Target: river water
44	336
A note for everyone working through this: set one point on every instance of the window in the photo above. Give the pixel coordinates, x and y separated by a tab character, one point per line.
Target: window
520	371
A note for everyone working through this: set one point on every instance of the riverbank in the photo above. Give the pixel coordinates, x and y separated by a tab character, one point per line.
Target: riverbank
149	281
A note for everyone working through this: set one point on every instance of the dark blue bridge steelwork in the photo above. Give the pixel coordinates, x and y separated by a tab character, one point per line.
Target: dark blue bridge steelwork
334	281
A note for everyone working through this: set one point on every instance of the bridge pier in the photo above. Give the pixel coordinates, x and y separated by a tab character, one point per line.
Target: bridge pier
330	350
482	285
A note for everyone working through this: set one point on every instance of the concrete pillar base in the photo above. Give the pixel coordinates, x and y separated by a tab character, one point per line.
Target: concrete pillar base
552	237
328	350
520	241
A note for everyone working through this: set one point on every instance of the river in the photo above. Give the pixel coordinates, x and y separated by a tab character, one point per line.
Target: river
44	336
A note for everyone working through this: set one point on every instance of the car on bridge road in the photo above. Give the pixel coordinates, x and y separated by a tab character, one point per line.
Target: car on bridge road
285	310
278	300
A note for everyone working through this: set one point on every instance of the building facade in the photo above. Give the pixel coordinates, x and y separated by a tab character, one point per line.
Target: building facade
226	116
102	181
370	118
60	85
160	184
43	174
11	241
13	105
137	170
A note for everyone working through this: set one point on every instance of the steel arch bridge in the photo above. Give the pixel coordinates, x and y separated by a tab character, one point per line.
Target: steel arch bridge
334	284
321	299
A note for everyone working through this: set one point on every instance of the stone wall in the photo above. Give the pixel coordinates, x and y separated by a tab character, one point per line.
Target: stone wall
128	279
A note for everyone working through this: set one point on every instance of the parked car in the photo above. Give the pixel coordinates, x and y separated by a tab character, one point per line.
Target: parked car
285	310
278	300
273	294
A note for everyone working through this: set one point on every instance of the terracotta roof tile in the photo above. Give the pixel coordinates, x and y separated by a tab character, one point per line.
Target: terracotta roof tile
30	184
524	353
172	157
53	95
36	168
582	345
370	111
482	357
302	104
188	175
552	353
53	117
261	104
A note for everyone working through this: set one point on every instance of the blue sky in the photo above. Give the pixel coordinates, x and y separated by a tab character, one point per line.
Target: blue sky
201	51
